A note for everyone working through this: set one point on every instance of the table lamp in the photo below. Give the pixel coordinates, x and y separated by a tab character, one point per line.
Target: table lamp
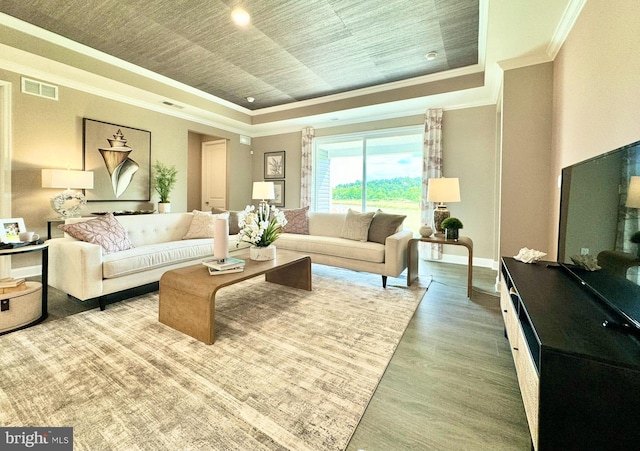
633	193
442	190
264	191
68	203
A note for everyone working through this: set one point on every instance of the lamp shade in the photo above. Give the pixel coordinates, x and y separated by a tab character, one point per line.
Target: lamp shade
263	190
633	193
443	190
66	178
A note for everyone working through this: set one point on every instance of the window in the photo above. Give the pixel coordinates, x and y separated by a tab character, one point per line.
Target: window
370	171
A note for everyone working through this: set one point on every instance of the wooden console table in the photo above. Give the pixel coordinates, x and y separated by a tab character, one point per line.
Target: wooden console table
412	256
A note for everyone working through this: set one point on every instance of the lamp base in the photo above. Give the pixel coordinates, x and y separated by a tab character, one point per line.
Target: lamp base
440	214
68	203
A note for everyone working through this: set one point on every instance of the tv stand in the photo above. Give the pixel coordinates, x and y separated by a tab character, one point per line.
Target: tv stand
580	381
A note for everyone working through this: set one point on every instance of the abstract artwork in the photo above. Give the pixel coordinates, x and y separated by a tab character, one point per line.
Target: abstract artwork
119	158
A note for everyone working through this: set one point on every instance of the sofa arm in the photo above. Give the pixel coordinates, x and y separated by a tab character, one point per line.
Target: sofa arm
75	267
395	252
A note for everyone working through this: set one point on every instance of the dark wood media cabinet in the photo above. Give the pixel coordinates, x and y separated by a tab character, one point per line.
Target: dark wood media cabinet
580	381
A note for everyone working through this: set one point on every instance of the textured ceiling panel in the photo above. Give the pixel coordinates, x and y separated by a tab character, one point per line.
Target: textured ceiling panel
293	49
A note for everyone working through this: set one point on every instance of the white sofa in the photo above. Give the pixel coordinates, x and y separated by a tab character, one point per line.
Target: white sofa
83	270
325	246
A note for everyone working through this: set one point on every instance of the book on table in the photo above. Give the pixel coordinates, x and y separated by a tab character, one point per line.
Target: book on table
218	272
223	264
9	282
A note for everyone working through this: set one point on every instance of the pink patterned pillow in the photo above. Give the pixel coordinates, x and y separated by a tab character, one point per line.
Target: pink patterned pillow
297	221
103	230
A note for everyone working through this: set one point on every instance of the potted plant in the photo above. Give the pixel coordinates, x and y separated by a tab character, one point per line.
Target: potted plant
261	227
164	179
451	227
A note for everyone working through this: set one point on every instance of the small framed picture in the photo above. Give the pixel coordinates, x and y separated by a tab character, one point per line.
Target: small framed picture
274	163
10	230
278	189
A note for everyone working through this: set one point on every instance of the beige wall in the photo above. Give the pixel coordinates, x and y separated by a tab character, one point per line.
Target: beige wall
596	88
48	134
526	159
469	148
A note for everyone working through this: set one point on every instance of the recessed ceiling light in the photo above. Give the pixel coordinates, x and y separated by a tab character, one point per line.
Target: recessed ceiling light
251	99
431	55
240	17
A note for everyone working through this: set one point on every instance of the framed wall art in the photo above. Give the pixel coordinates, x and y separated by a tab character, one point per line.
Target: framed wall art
10	230
119	158
274	164
278	189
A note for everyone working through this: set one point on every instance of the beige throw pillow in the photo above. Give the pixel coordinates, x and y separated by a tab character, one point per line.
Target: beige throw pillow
384	225
356	225
103	230
203	225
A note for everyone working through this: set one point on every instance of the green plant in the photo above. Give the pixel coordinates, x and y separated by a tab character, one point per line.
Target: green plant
635	238
164	180
451	223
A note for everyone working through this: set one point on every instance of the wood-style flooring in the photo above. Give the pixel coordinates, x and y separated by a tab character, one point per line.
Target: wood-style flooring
451	384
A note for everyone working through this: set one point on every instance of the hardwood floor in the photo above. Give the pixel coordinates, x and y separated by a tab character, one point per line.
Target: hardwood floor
451	384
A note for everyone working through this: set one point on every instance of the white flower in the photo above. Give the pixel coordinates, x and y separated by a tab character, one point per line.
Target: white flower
260	227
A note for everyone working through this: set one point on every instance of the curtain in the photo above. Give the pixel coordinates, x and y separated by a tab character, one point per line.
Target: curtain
306	167
431	168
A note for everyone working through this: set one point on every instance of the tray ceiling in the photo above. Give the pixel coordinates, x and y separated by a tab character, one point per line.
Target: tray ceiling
291	51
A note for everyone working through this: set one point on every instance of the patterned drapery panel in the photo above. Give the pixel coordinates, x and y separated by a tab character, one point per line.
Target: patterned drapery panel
431	168
308	134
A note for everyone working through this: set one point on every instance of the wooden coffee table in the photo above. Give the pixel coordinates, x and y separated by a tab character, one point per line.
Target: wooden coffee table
188	295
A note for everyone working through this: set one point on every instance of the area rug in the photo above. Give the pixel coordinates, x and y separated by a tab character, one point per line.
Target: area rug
290	369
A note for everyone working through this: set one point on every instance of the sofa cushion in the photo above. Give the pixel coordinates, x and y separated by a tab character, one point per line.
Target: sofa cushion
103	230
297	220
234	228
153	256
203	225
384	225
356	225
332	246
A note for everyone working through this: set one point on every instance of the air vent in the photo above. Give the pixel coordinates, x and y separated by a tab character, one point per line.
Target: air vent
37	88
166	102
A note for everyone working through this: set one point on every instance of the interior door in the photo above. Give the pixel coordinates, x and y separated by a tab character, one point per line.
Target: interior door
214	175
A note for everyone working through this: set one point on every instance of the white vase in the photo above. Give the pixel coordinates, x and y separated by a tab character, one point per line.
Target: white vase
262	253
164	207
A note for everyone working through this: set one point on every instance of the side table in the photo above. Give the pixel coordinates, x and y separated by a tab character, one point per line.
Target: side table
44	249
412	256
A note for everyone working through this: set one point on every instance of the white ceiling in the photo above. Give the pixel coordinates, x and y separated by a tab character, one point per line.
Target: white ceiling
512	33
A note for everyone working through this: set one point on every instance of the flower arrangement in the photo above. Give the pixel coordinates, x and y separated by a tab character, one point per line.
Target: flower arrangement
260	226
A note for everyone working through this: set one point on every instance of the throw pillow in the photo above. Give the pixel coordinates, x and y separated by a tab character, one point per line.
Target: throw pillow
234	228
104	230
384	225
297	221
202	225
356	225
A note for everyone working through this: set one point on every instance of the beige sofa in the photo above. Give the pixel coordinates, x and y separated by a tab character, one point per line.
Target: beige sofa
325	244
85	271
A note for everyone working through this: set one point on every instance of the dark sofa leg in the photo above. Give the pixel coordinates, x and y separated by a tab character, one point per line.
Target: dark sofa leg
384	281
103	305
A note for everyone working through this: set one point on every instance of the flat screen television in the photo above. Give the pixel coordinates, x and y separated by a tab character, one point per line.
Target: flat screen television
599	213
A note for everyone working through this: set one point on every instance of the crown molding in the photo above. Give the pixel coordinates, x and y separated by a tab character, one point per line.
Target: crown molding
568	20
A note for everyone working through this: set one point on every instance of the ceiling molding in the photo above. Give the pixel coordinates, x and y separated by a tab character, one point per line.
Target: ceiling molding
568	20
